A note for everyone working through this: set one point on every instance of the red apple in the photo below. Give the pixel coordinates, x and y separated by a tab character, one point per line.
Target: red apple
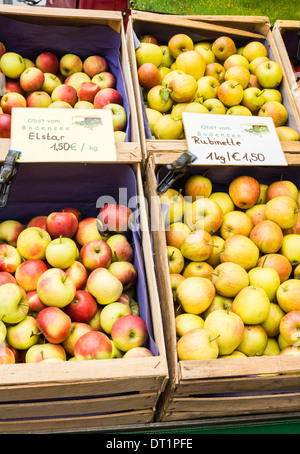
5	277
107	96
66	93
87	91
62	224
5	125
128	332
54	323
73	210
282	187
78	273
31	79
95	254
290	326
148	75
244	191
77	330
35	303
47	62
125	272
115	217
38	221
13	85
94	64
93	345
28	273
120	247
82	308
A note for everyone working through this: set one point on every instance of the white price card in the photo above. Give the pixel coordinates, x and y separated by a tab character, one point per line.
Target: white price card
233	140
63	135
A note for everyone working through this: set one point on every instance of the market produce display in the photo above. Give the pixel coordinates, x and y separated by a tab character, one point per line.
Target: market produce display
234	264
67	288
216	77
52	82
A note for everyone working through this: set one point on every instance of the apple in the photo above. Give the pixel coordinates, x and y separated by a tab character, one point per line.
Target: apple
6	355
94	64
185	322
234	354
106	79
28	273
254	49
66	93
263	194
214	259
195	107
70	64
2	49
275	110
3	331
197	246
129	331
12	64
252	305
197	344
205	51
291	248
167	59
78	273
296	272
120	247
126	272
289	327
204	214
152	117
288	296
51	81
281	187
23	334
235	60
272	322
138	352
82	308
174	200
76	79
55	288
39	99
257	213
240	75
84	105
198	186
254	340
283	211
60	105
268	236
215	70
195	294
31	79
149	52
107	96
54	324
236	223
253	98
191	62
239	110
13	85
272	94
10	258
158	98
176	233
62	224
77	330
175	279
95	254
175	260
168	128
38	221
229	279
35	304
290	350
111	313
227	328
119	116
87	231
40	352
93	345
269	74
13	303
178	43
230	93
133	305
95	321
9	231
218	303
115	218
223	47
47	62
61	252
279	262
182	88
241	250
244	191
5	125
287	133
148	39
201	269
5	277
104	286
87	91
266	278
10	100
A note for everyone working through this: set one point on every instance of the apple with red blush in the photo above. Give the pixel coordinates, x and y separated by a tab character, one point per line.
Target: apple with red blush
47	62
78	273
54	324
5	125
28	273
94	64
95	254
82	308
35	303
107	96
62	224
38	221
115	218
87	91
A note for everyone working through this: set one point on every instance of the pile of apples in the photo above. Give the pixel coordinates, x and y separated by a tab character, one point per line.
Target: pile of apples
66	82
214	77
234	264
67	288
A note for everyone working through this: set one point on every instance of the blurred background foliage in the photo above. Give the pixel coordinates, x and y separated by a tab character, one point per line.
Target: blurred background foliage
274	9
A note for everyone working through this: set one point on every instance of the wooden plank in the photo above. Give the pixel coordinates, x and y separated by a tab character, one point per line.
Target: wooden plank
72	424
78	407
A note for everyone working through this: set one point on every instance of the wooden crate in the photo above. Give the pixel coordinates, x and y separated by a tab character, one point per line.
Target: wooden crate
241	29
61	19
286	37
96	393
218	387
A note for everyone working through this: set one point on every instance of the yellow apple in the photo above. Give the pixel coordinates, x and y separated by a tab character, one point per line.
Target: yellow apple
185	322
195	294
252	305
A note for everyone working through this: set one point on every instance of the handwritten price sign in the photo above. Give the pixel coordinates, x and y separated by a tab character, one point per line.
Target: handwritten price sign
63	135
232	140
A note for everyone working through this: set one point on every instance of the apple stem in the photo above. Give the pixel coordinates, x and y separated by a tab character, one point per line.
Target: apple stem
264	261
215	338
35	334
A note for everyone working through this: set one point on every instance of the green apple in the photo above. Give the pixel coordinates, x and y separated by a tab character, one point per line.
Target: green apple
152	117
263	194
195	107
205	51
110	313
23	334
238	110
40	352
207	87
104	286
214	258
3	331
12	65
158	98
149	53
252	305
254	340
175	259
167	59
56	288
228	329
215	106
266	278
253	99
175	202
168	128
61	252
272	94
291	248
269	74
272	322
272	347
13	303
195	294
185	322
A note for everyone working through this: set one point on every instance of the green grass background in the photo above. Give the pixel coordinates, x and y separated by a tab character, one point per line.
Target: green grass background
274	9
